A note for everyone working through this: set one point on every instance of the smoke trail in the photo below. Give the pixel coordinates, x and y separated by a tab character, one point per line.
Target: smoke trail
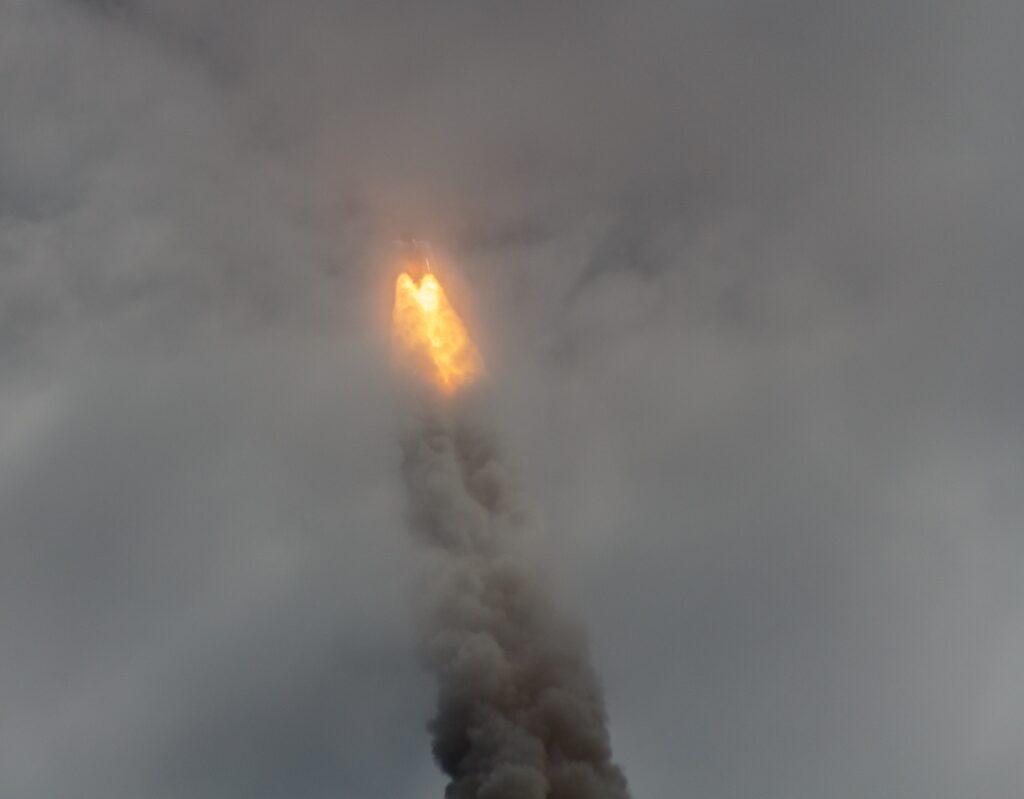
520	714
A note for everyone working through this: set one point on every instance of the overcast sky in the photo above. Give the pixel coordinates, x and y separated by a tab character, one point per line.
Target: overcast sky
748	278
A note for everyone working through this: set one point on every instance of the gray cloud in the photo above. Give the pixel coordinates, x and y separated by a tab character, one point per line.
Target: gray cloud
748	283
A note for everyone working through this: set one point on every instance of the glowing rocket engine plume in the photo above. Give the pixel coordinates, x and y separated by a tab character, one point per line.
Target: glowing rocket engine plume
520	713
426	327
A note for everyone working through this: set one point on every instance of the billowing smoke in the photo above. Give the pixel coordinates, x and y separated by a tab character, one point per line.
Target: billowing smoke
520	713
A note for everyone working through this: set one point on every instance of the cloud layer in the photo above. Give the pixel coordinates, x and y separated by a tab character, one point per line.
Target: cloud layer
748	283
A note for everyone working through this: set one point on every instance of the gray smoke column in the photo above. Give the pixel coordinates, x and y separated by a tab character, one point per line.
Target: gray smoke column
520	713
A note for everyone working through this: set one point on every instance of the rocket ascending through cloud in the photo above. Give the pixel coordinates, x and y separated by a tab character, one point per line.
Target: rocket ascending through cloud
428	328
520	713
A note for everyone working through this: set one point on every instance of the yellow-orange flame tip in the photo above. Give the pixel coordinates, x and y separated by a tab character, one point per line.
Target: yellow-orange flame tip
426	325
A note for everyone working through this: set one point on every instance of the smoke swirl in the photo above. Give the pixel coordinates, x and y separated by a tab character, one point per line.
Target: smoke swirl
520	713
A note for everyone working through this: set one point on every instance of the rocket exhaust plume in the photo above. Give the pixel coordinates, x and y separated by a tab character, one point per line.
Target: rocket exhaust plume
427	327
520	713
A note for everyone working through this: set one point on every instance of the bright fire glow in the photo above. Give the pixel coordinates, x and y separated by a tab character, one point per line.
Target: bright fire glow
426	325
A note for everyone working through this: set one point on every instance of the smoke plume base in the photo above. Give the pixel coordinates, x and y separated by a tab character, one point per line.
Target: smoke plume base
520	713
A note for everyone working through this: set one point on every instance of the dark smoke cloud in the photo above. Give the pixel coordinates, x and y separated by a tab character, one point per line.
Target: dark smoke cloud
520	713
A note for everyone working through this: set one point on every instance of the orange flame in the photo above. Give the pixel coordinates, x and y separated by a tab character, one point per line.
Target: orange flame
426	326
